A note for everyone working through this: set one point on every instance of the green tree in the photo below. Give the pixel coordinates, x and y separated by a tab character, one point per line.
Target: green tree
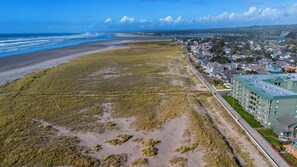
258	58
220	59
249	59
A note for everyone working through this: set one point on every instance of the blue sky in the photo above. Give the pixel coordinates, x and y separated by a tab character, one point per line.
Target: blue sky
29	16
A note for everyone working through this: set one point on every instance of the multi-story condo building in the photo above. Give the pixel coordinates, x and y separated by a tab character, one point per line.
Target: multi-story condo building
269	98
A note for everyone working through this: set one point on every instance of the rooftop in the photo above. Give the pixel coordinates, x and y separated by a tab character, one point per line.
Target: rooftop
287	120
262	85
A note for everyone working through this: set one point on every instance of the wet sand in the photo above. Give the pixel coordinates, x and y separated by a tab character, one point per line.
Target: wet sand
14	67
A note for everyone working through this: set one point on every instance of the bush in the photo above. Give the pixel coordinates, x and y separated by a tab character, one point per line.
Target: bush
179	161
150	151
151	143
121	138
182	149
139	162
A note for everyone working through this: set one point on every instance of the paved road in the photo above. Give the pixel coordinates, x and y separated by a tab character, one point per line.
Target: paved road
265	147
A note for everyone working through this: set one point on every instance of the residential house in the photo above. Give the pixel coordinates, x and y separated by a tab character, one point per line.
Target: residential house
265	62
261	71
253	67
276	68
230	66
286	126
214	67
228	74
283	63
201	59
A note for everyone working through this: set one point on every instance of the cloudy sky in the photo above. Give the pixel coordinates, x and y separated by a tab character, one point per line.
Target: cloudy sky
27	16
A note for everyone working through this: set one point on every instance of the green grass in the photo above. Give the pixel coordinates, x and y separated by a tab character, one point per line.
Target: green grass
268	132
245	115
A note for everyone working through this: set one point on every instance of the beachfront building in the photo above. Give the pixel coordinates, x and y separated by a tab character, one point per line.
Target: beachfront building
267	97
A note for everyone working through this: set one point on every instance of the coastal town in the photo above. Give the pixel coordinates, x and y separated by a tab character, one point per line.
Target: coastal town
257	79
219	58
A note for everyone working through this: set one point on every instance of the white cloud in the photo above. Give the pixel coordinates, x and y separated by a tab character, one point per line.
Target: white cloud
252	10
108	20
268	12
127	19
170	19
178	19
251	14
142	20
167	19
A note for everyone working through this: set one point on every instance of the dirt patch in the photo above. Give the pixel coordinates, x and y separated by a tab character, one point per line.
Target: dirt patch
111	76
176	83
170	136
110	72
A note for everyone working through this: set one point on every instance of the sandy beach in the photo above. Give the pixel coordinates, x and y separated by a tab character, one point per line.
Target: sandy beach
14	67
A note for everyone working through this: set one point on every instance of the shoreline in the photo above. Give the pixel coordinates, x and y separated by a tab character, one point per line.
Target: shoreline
15	67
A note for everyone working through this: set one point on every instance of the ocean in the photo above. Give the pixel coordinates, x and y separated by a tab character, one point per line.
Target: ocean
13	44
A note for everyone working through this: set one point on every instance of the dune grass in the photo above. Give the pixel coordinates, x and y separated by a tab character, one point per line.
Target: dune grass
120	139
71	96
114	160
139	162
178	161
206	136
